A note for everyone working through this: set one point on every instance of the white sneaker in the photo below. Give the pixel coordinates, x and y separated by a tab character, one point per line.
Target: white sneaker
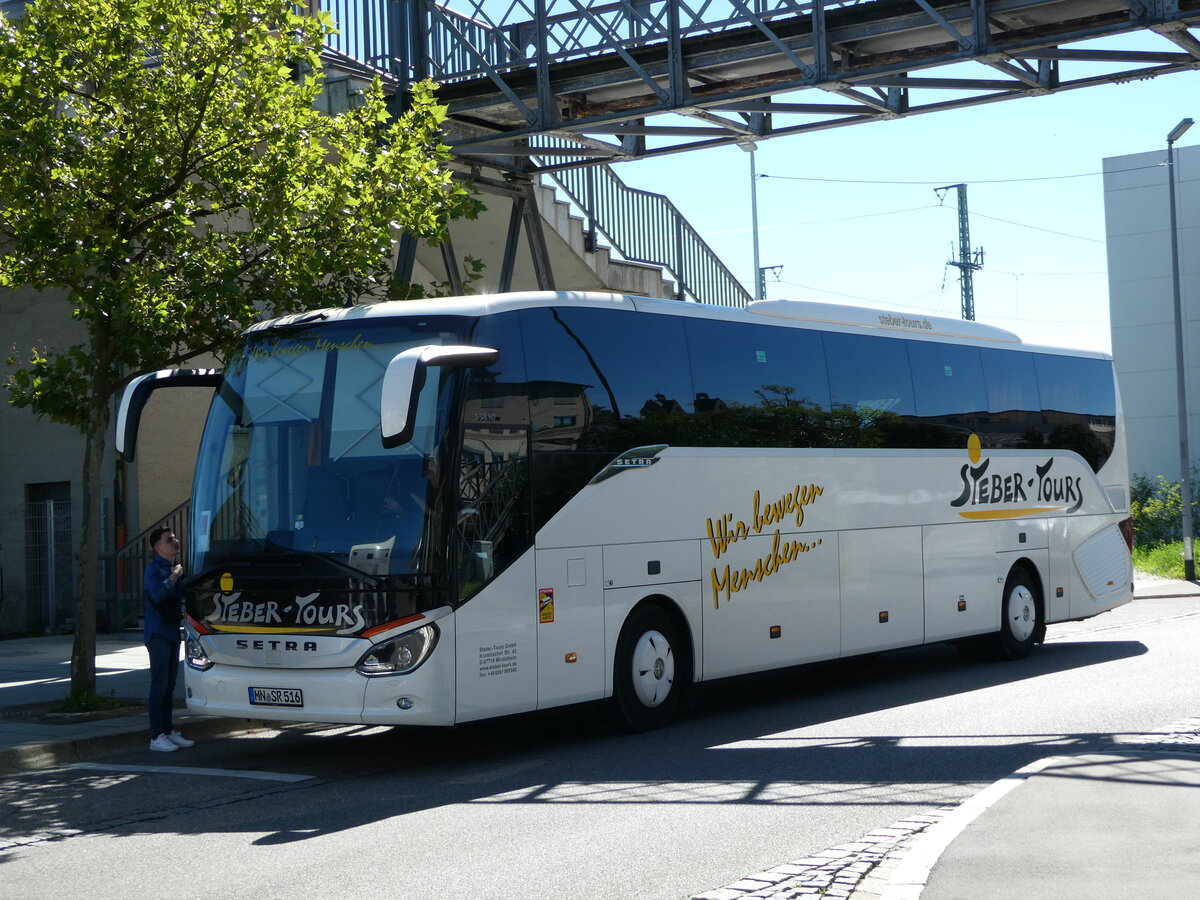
164	744
179	740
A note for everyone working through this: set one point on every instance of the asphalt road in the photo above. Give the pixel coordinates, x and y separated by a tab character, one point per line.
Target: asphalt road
762	771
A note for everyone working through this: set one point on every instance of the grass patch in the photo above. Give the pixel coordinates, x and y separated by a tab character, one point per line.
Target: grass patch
86	702
1164	560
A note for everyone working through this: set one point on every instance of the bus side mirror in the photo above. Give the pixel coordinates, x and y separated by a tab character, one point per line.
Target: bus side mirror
404	378
137	392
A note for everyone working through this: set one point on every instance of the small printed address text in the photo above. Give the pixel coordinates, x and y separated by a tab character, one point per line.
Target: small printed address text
497	659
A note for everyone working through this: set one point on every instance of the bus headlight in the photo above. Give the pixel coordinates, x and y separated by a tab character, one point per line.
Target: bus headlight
401	655
195	655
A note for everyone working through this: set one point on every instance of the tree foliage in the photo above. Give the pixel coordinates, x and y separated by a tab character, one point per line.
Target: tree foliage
163	161
1156	506
163	166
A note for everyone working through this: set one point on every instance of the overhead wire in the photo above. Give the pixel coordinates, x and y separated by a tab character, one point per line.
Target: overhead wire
944	182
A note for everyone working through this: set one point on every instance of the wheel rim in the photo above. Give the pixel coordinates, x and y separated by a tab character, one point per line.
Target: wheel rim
653	668
1022	613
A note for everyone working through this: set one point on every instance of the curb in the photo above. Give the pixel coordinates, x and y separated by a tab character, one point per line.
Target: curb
49	754
912	874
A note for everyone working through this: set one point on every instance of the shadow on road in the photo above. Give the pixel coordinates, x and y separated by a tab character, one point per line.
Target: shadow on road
770	739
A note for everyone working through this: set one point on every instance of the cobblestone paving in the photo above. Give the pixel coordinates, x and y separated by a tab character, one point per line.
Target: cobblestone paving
1183	735
860	870
851	870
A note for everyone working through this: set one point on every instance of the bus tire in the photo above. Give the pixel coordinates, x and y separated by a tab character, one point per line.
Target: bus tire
1021	618
649	672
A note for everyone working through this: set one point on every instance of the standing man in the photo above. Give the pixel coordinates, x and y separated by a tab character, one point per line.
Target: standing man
164	612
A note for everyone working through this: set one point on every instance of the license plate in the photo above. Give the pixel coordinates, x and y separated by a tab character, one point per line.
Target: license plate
265	696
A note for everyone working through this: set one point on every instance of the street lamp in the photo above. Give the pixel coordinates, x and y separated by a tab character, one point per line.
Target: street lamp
1185	466
750	147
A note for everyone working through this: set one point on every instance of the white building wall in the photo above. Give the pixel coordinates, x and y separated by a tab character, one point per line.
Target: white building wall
1137	217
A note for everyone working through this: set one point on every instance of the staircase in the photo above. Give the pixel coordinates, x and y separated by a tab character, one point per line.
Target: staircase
624	276
577	264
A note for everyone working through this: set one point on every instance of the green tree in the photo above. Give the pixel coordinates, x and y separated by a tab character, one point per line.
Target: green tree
163	167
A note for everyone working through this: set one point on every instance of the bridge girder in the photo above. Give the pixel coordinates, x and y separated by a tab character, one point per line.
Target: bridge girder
611	81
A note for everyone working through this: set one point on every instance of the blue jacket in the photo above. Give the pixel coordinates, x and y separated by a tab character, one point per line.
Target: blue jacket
159	593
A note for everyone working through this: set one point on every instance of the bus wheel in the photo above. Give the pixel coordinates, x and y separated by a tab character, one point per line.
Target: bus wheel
648	675
1021	624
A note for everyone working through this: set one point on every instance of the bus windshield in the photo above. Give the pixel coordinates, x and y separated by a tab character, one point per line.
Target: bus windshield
292	463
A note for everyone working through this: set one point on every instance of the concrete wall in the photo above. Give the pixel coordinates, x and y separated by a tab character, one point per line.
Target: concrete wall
1137	217
166	452
33	451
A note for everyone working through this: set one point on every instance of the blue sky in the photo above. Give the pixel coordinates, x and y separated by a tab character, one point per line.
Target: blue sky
1035	194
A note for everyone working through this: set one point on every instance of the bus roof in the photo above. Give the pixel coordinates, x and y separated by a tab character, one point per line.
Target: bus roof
822	316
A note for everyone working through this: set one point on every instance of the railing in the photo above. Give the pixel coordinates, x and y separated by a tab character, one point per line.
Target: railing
367	30
493	491
477	37
648	228
522	33
133	558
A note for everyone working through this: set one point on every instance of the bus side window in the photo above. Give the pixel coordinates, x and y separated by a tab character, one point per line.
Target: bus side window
1014	410
1079	405
601	381
951	402
766	385
491	519
870	387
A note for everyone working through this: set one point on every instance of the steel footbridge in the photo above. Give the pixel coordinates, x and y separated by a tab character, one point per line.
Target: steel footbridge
542	85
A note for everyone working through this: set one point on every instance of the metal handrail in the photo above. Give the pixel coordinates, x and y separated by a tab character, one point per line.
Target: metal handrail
133	558
648	228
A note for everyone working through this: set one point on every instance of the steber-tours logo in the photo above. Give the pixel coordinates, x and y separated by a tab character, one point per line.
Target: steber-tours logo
991	493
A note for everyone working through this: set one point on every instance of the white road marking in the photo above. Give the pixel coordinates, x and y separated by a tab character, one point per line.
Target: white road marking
190	770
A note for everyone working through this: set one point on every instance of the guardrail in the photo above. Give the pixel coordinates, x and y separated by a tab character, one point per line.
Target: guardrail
472	38
648	228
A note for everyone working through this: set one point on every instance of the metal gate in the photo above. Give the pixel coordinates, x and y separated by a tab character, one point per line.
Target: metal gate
49	557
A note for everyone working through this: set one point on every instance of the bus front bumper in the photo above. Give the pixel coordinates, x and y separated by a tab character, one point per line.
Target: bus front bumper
338	696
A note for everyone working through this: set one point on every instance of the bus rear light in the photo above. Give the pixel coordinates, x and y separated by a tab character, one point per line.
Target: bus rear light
401	655
1126	527
196	626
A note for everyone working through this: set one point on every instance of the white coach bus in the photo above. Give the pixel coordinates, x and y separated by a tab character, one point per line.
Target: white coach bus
440	511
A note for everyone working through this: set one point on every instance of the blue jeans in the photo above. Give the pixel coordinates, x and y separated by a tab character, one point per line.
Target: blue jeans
164	670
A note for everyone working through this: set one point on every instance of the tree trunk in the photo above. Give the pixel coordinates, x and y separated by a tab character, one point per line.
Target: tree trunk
83	652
